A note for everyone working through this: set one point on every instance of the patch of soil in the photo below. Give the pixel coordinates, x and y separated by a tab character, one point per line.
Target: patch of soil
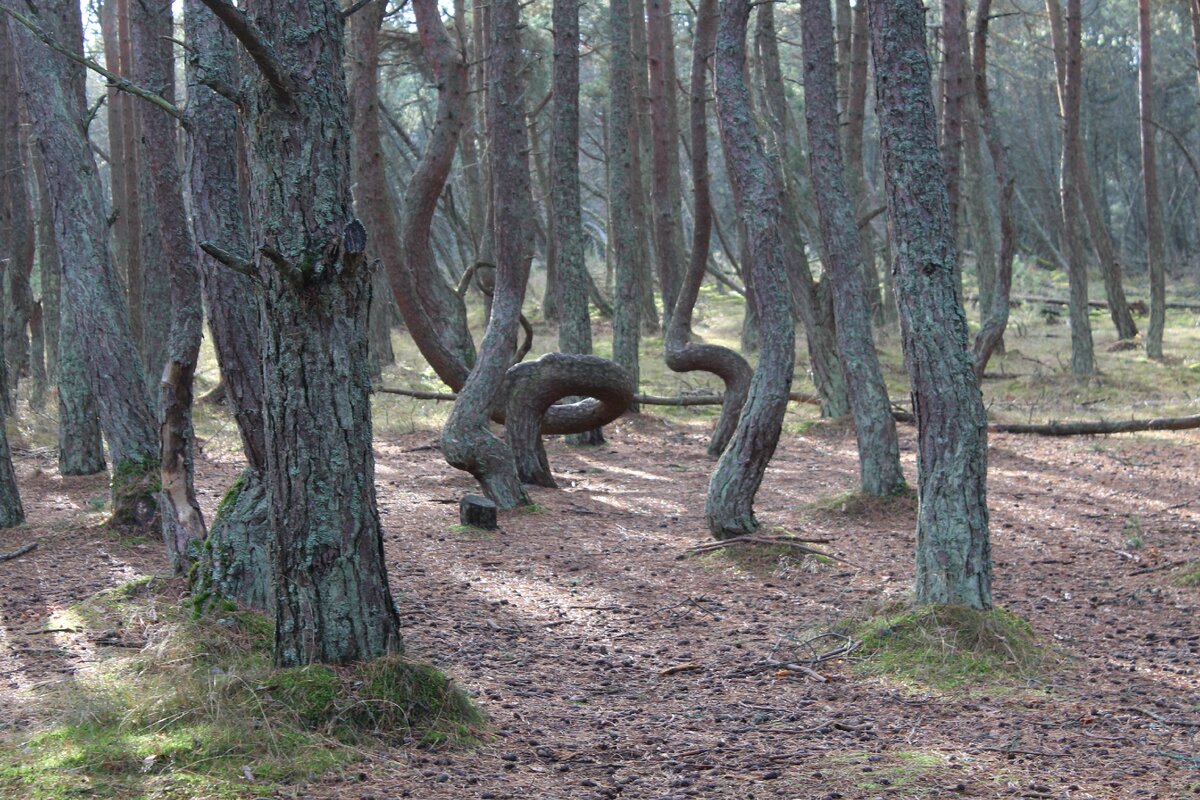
610	667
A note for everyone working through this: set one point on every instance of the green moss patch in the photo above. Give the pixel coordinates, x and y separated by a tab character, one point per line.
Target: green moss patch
858	505
136	484
185	705
1188	575
949	646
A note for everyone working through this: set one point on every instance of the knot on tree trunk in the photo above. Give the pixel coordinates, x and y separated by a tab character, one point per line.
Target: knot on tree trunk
535	386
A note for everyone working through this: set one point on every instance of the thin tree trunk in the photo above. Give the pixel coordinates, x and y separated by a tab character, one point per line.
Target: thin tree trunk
953	546
878	446
37	358
575	327
130	205
623	182
664	124
955	87
49	269
681	355
237	555
757	191
1154	229
856	114
641	149
154	69
996	315
16	232
975	203
333	601
53	91
466	441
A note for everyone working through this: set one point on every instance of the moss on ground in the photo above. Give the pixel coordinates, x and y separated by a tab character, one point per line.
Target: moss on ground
948	646
190	706
1188	575
856	504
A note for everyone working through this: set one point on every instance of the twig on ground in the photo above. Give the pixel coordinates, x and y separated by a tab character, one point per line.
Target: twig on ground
20	551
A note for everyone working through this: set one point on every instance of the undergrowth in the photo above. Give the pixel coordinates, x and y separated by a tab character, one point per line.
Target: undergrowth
856	504
190	706
948	646
1189	575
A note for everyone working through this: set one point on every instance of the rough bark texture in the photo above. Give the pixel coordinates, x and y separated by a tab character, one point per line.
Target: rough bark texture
1155	254
1070	95
372	200
878	446
466	441
623	178
333	601
571	284
996	314
953	547
53	91
154	69
37	358
756	188
237	556
533	386
681	354
80	444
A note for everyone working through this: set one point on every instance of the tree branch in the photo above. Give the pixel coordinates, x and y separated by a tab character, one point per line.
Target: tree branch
256	45
234	262
114	80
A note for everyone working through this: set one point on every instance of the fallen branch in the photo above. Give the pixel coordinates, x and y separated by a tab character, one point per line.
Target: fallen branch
644	399
1084	428
20	551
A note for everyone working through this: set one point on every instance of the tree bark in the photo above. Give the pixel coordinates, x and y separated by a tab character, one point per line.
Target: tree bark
623	182
1069	89
466	441
154	69
664	124
856	115
757	191
49	268
131	269
52	88
571	285
996	314
1155	254
681	354
641	157
954	87
333	601
16	231
878	446
953	547
237	554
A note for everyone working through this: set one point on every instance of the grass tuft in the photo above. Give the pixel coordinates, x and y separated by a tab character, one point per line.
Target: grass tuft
1188	575
856	504
186	705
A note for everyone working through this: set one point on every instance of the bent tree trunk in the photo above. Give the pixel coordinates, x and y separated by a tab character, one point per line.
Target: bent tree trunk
996	315
756	189
878	446
571	286
333	601
681	355
466	441
236	561
953	548
54	97
154	69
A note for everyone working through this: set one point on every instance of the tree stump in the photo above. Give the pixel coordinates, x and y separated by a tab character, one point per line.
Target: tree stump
478	512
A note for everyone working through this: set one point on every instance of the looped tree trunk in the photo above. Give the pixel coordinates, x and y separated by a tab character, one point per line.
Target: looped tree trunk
534	386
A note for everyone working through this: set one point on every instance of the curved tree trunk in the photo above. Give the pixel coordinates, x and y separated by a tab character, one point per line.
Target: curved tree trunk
333	600
996	315
953	546
154	69
466	441
878	446
1154	230
571	285
237	553
53	91
756	188
681	355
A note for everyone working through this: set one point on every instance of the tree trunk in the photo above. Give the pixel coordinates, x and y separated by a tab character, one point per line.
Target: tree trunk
466	441
49	269
975	203
16	233
237	554
333	601
878	446
80	446
681	355
953	547
954	86
641	156
37	358
372	200
623	182
129	205
996	314
757	191
664	124
53	91
1155	254
856	114
154	69
571	284
124	218
1082	358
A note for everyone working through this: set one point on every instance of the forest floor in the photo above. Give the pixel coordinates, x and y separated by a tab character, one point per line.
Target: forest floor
612	663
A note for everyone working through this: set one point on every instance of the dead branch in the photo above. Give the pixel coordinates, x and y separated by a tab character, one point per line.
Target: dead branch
20	551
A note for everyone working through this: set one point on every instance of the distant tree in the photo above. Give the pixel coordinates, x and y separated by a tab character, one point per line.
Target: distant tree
1155	254
664	124
878	445
953	546
758	194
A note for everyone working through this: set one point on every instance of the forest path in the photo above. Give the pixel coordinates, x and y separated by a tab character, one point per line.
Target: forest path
566	624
